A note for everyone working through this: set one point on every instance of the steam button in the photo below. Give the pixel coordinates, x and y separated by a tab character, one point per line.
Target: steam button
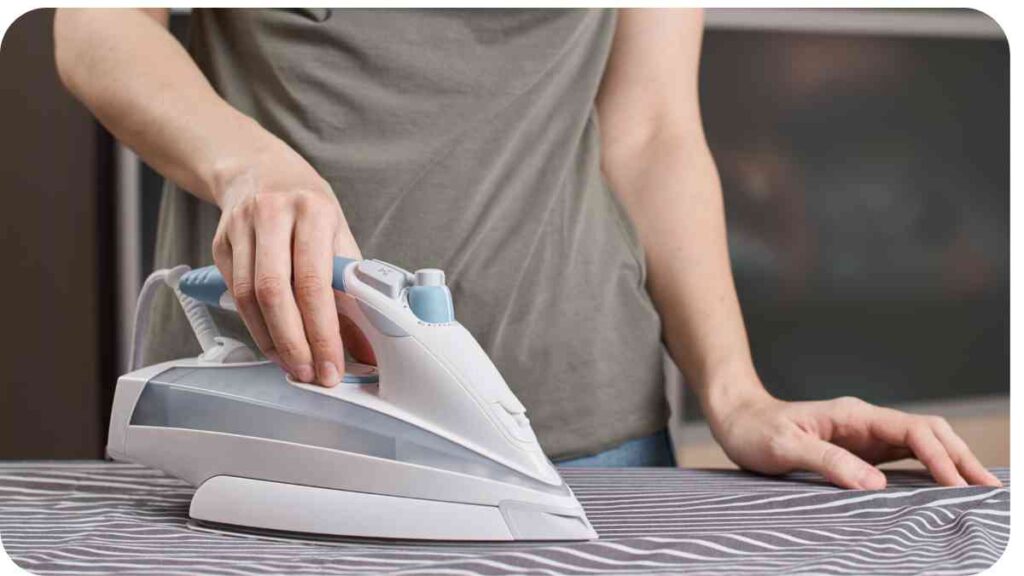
386	279
429	299
430	277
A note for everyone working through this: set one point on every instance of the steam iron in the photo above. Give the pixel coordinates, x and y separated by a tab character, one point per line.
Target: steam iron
429	444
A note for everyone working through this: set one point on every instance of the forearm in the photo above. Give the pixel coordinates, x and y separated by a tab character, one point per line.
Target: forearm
143	86
670	188
280	221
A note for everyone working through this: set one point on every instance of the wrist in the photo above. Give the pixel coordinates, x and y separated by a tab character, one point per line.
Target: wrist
728	388
243	156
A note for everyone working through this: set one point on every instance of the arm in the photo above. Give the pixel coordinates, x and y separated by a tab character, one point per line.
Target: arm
655	156
142	85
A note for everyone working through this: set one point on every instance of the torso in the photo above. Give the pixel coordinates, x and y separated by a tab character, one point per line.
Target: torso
462	140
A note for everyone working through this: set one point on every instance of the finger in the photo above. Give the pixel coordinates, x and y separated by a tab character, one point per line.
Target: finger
837	465
966	462
933	455
272	283
851	414
313	256
222	252
931	452
223	257
901	429
243	292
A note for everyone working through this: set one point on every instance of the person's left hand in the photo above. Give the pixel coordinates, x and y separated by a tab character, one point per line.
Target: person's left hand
842	439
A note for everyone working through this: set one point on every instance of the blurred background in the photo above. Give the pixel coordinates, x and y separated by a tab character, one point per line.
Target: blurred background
864	156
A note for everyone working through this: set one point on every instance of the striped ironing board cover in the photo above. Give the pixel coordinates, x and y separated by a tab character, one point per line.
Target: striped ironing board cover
99	517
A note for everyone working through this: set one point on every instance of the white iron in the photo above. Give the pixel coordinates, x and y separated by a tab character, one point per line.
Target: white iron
430	444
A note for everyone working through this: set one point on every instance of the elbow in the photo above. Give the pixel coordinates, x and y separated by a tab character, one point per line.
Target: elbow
653	147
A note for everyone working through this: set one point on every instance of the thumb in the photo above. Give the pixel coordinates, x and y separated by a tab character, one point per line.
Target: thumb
838	465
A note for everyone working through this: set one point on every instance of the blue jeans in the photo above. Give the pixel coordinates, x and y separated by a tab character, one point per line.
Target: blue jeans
653	450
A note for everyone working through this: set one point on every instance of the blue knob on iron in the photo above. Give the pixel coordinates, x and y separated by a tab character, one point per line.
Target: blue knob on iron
205	284
429	298
338	280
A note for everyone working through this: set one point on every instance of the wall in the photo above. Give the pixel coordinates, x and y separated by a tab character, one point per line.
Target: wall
54	242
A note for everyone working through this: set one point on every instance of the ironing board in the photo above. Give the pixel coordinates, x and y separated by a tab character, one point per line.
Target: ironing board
100	517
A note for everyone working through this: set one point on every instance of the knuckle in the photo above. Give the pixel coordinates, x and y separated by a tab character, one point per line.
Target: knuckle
288	349
313	208
238	214
309	284
921	426
322	344
849	402
267	206
270	290
306	201
242	292
917	432
242	287
923	448
241	210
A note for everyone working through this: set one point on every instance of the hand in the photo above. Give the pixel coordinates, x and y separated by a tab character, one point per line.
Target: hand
842	439
280	228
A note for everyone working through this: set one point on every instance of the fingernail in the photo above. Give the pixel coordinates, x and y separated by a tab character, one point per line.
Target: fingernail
304	372
272	356
328	374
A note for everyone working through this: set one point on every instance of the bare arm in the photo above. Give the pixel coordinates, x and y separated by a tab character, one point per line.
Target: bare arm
142	85
656	158
127	68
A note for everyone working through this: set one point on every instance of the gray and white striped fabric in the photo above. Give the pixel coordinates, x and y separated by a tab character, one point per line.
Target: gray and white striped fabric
98	517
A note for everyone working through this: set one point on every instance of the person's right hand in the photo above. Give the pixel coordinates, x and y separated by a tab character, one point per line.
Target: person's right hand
280	228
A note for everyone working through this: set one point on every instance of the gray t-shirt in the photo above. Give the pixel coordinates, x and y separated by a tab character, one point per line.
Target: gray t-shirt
468	141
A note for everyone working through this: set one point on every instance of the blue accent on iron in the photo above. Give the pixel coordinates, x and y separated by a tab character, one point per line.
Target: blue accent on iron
432	304
204	284
340	263
360	378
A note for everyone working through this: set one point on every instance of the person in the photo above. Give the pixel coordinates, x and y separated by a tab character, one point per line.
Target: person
552	161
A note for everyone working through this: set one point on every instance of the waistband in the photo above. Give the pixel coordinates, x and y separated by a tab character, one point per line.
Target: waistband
653	450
